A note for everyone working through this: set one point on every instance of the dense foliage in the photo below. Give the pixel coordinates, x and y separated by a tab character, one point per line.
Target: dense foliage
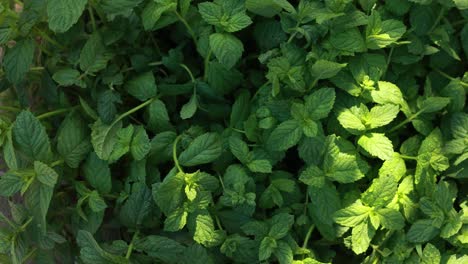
234	131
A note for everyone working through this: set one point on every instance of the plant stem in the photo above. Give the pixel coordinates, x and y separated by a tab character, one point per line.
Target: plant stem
56	163
189	72
174	154
91	16
439	17
207	64
408	120
189	28
389	59
408	157
132	243
133	110
450	77
9	108
55	112
307	237
4	218
48	39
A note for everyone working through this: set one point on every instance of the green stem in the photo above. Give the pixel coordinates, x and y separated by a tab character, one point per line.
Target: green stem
29	255
450	77
4	218
48	39
55	112
313	84
23	227
189	28
307	237
207	64
218	223
132	243
56	163
174	154
155	63
408	120
91	16
9	108
238	130
36	68
439	17
389	59
408	157
135	109
189	72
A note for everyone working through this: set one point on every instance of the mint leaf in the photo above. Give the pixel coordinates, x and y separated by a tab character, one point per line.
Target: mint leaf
203	149
73	141
285	136
31	138
227	48
63	14
142	87
18	60
376	144
323	69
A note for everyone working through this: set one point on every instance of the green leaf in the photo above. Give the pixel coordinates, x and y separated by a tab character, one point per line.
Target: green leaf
433	104
227	48
190	108
140	145
158	118
205	233
461	4
323	69
169	194
380	34
320	103
37	200
96	202
353	215
284	253
104	137
63	14
138	206
351	121
122	146
267	247
18	60
73	141
203	149
382	115
93	56
31	137
377	144
388	93
239	149
160	247
266	8
91	252
67	77
391	219
262	166
176	220
45	174
153	11
97	173
361	237
430	255
381	191
142	87
280	225
422	231
348	41
230	16
10	183
342	167
284	136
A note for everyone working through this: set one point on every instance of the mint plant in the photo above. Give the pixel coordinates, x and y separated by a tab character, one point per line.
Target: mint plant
234	131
